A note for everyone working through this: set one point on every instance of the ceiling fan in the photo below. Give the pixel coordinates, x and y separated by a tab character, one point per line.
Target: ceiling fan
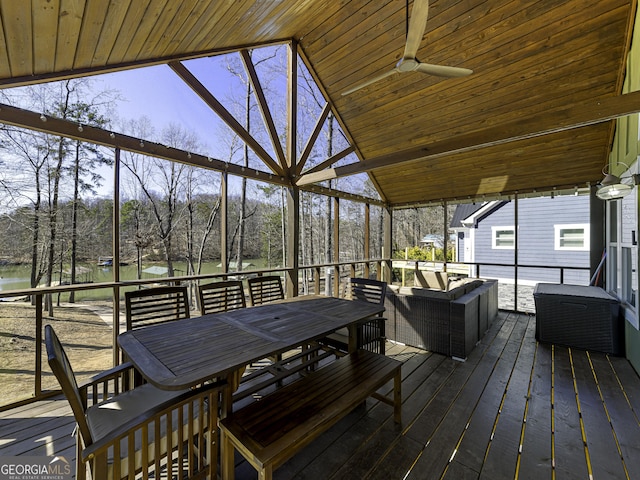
409	63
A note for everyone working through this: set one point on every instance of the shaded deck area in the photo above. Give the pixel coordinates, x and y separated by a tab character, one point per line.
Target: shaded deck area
514	409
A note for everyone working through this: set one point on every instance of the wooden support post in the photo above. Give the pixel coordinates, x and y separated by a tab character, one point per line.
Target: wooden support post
293	245
293	192
367	238
515	253
336	246
445	235
116	257
224	221
39	327
387	243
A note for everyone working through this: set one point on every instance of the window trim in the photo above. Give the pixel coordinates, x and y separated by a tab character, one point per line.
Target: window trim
567	226
494	237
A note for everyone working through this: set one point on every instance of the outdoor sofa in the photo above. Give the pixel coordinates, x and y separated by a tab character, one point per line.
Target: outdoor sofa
443	316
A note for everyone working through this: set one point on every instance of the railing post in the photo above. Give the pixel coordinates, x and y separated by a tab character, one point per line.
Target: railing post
38	359
316	280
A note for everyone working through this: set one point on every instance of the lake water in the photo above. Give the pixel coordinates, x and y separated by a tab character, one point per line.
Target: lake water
17	277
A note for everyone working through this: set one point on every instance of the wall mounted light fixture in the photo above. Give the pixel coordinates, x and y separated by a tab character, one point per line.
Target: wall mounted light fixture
613	187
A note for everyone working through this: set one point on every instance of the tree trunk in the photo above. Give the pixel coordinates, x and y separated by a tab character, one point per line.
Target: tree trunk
207	231
56	173
243	198
74	220
35	271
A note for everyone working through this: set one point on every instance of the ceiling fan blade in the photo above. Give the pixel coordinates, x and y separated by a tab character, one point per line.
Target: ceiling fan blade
442	70
370	81
417	26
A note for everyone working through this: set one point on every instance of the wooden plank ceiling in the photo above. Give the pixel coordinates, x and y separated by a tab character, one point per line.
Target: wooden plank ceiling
530	59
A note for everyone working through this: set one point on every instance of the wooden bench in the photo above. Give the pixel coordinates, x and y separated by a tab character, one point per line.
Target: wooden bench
269	432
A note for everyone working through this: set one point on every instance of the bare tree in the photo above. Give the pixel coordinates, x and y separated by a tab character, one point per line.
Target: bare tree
249	105
162	183
48	157
24	185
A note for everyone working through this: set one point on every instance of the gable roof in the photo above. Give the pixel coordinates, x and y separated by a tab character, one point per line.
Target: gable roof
463	211
469	217
535	114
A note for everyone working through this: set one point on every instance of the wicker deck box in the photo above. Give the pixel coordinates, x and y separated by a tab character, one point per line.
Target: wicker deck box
584	317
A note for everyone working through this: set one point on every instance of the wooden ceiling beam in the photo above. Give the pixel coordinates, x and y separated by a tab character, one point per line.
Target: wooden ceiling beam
36	121
98	69
312	138
580	114
331	160
263	105
292	106
354	197
55	126
225	116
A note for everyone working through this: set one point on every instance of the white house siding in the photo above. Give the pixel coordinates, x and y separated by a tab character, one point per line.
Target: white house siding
536	240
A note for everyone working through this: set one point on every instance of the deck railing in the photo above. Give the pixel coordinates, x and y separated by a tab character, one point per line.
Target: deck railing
324	278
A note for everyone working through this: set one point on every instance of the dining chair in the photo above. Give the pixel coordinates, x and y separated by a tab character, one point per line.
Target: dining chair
156	305
219	297
371	332
265	289
141	431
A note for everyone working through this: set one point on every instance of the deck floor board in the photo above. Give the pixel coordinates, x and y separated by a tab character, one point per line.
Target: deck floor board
570	459
535	460
502	457
625	423
601	439
443	443
475	409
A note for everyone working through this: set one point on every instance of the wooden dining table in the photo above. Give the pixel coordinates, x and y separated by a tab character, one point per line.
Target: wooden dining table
188	352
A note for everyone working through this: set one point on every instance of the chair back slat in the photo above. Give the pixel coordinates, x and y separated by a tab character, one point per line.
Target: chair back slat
221	296
156	305
265	289
366	290
61	368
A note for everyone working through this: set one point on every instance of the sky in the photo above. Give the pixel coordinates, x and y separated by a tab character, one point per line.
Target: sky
158	93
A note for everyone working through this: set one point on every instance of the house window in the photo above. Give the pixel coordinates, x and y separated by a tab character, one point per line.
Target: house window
572	237
504	237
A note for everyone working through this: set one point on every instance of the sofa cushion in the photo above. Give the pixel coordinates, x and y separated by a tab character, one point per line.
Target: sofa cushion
457	292
434	280
468	283
472	284
428	292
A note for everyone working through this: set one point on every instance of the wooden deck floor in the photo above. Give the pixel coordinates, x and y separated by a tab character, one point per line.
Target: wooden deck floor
514	409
